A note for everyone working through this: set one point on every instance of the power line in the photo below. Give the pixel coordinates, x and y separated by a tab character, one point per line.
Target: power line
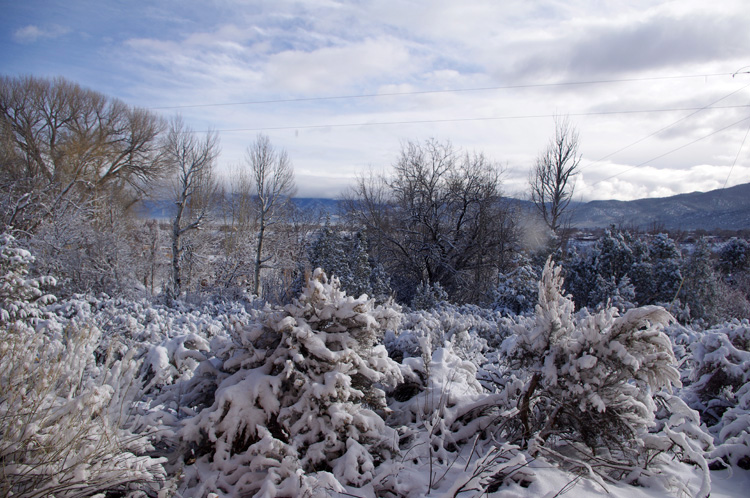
736	157
707	106
454	90
491	118
669	152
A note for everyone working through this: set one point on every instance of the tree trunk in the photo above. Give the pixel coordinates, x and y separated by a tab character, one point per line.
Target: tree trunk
259	257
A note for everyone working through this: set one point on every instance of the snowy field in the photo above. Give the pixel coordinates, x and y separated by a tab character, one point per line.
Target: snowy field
333	395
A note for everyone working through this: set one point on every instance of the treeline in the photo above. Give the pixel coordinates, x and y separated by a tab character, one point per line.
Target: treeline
76	164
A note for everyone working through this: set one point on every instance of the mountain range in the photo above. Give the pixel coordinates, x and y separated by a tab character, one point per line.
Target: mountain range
726	209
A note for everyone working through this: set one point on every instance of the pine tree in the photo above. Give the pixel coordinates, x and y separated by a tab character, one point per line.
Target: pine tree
702	290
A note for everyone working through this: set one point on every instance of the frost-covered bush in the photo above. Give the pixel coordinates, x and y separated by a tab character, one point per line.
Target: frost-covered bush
590	382
445	415
20	294
720	389
65	424
298	408
472	330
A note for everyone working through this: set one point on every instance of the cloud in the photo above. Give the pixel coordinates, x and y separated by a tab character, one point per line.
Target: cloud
648	181
593	45
330	68
272	51
32	33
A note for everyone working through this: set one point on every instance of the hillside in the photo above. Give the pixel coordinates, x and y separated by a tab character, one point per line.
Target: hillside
727	209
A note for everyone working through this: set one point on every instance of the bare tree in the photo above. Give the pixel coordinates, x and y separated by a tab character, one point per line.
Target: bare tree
272	175
62	143
440	219
235	267
552	178
194	186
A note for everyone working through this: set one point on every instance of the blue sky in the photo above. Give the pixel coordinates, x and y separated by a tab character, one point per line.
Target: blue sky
219	63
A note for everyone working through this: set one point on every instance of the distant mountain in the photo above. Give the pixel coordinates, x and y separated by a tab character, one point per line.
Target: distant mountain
163	209
318	207
727	209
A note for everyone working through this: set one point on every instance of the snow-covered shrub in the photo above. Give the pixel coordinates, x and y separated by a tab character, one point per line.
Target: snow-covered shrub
20	295
65	428
445	415
720	389
720	367
590	381
472	330
299	405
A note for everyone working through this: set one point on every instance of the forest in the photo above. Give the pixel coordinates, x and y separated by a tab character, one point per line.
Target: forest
429	339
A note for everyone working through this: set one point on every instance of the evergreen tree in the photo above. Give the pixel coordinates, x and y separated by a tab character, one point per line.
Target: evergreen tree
702	290
328	252
517	289
20	294
734	256
666	275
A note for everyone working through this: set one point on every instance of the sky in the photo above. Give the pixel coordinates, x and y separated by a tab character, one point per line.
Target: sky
659	91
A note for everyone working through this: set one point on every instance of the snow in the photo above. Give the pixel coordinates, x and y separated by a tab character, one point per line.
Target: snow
335	395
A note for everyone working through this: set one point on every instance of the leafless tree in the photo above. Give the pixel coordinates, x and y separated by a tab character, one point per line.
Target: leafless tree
62	143
194	186
235	267
272	175
552	178
439	219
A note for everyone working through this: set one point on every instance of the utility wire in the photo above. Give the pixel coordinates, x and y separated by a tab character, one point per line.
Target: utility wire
491	118
707	106
430	92
736	157
669	152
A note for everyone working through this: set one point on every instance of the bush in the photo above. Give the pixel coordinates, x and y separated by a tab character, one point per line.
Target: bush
300	405
64	419
591	381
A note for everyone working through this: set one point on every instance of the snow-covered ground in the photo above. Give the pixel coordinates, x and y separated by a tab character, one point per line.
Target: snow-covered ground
336	396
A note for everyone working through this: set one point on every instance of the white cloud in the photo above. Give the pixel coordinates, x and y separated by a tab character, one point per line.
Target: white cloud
635	183
32	33
328	69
